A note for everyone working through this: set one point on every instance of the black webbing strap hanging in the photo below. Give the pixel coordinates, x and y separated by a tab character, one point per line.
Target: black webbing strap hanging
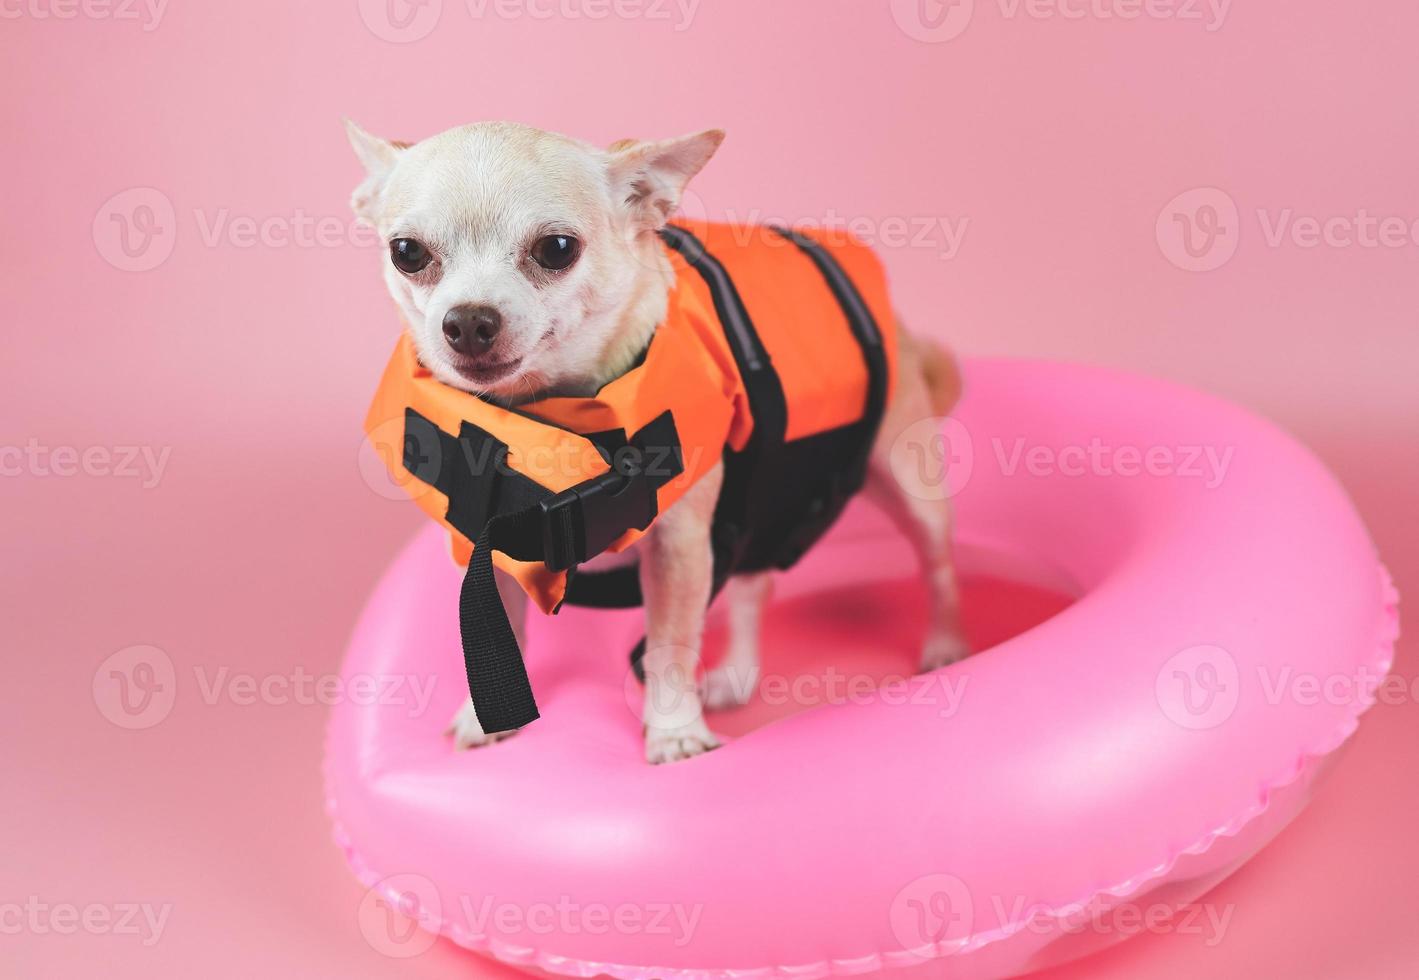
499	509
497	676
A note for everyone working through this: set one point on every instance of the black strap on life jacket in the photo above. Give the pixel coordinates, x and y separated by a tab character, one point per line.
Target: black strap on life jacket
500	509
868	335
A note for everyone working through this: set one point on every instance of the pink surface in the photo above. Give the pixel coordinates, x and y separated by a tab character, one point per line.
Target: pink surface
1126	752
243	360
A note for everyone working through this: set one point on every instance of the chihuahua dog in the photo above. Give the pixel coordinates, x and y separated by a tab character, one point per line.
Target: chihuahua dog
527	264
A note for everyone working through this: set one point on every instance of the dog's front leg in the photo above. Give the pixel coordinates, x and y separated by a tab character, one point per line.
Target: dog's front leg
676	573
467	732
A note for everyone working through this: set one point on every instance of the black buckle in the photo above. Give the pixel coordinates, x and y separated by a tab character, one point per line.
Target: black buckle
581	522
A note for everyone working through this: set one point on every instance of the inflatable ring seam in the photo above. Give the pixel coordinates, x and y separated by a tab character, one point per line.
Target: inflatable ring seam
527	957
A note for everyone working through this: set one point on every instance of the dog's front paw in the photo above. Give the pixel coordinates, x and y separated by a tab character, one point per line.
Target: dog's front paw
943	649
730	686
468	733
678	742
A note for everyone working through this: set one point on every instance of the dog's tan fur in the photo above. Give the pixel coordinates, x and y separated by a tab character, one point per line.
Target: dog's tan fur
475	191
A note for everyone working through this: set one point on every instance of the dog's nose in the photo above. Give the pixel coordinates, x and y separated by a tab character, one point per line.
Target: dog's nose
471	329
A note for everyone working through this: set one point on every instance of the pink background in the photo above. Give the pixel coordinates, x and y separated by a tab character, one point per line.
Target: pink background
1060	141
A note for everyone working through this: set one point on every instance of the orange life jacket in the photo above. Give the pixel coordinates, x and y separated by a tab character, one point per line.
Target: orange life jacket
776	357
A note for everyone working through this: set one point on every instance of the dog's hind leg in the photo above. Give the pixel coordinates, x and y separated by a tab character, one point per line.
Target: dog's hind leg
733	681
927	387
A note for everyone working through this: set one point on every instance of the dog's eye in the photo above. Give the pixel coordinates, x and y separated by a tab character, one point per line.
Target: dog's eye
409	255
556	252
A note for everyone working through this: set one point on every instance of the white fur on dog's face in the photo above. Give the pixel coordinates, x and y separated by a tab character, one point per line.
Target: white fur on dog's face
478	199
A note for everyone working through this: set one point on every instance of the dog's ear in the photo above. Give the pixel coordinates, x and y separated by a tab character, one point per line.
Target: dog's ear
378	157
649	177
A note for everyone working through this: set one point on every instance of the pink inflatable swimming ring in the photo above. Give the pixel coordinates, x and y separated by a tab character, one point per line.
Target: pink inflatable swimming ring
1229	624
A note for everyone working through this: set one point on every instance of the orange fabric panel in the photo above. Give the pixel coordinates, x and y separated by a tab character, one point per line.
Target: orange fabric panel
867	274
801	324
